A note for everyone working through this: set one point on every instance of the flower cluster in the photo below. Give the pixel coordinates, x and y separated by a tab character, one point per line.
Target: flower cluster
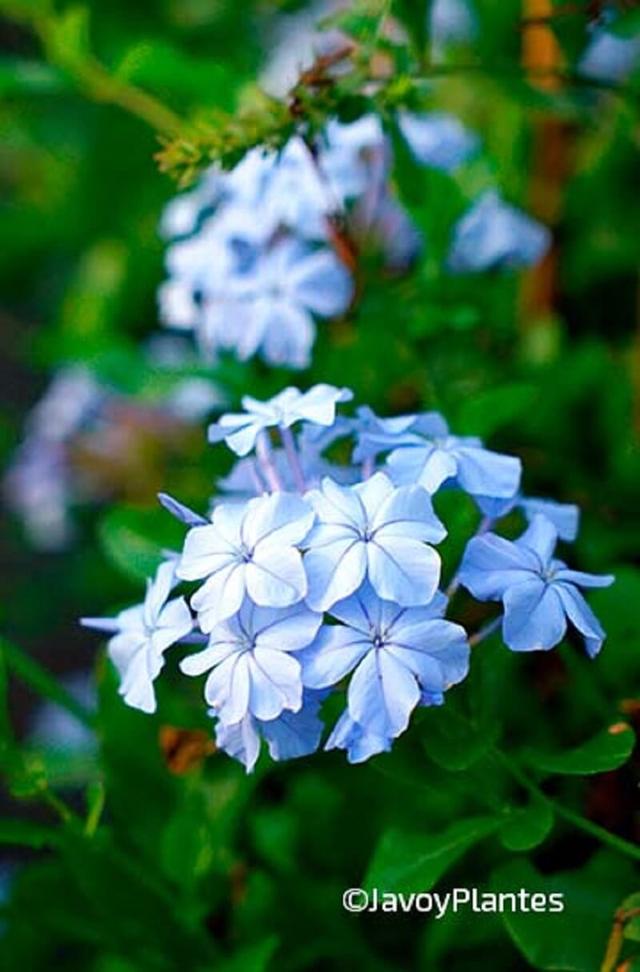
314	577
255	254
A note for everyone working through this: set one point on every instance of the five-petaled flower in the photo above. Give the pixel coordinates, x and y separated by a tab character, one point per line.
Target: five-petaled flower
253	670
373	530
247	549
428	454
539	593
396	655
142	634
241	429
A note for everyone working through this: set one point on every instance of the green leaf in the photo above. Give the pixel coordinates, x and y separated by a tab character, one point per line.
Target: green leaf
608	750
575	938
255	958
453	741
28	670
415	16
22	833
408	863
632	924
527	827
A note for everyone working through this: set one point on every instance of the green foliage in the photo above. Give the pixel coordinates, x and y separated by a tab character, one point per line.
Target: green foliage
148	852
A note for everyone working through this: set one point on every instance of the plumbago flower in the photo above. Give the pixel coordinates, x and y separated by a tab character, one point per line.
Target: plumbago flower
329	574
396	655
258	255
142	634
540	593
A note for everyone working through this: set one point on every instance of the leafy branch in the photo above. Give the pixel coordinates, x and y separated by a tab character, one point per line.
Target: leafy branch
65	41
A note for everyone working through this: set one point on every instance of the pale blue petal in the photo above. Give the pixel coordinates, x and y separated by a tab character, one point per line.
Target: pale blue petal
286	630
240	741
540	537
275	683
438	140
335	652
583	580
372	494
382	694
407	513
436	651
334	571
485	473
534	619
491	565
220	596
338	504
404	571
564	516
323	284
276	578
282	519
228	687
582	618
181	512
295	734
360	743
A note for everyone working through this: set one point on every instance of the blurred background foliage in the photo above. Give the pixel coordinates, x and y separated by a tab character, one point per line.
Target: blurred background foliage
129	844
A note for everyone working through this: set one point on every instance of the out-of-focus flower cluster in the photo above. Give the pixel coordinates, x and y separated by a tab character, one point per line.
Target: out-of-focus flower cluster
258	254
86	442
315	576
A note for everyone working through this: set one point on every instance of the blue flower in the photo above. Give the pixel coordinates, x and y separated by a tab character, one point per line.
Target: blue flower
361	744
610	56
427	454
396	655
270	308
291	735
493	234
451	22
142	634
359	741
247	549
240	430
250	660
564	516
539	593
438	140
372	530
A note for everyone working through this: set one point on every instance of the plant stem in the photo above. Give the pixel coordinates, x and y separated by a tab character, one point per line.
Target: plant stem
265	458
293	458
581	823
91	76
484	632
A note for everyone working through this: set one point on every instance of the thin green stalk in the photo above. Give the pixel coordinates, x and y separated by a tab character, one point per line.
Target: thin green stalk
581	823
91	77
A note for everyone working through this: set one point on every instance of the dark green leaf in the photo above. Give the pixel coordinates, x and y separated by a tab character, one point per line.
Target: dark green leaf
404	862
608	750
